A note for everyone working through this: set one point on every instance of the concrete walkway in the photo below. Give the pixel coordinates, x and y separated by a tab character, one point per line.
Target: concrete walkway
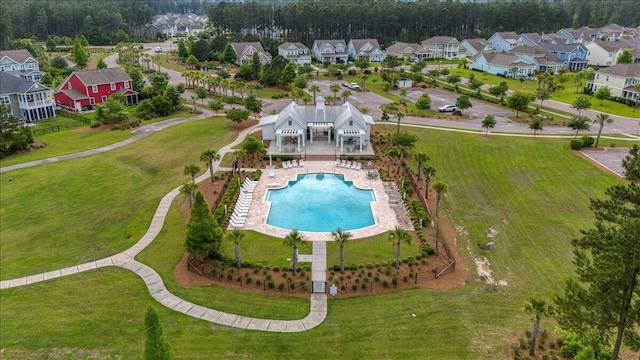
157	289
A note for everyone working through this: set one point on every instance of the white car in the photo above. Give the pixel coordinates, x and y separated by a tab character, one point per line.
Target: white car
447	108
352	86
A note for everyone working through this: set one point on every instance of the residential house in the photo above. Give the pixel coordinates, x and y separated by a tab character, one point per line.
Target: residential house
332	51
28	100
604	53
20	63
443	47
581	35
87	88
245	50
501	64
504	41
621	80
361	48
337	124
296	52
574	56
530	39
470	47
269	32
174	24
543	58
402	50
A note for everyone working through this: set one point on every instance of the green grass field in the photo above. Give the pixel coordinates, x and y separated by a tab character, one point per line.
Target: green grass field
534	193
89	208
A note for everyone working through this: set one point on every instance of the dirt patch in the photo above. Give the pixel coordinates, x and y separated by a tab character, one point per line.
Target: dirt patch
484	271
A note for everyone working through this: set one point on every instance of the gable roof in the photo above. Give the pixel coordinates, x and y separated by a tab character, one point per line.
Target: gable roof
334	43
241	48
10	84
298	45
508	35
19	56
440	40
502	59
359	43
611	46
563	47
101	76
478	44
400	46
623	70
536	52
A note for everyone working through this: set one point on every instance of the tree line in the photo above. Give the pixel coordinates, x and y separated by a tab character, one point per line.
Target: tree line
111	21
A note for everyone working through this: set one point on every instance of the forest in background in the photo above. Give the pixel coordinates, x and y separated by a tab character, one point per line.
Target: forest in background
307	20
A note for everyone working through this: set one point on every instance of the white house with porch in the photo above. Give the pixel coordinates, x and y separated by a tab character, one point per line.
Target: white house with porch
296	127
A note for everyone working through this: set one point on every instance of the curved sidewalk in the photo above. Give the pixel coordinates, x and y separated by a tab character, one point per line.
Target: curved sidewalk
157	289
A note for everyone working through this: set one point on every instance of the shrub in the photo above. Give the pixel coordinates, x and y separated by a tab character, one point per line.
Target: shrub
576	144
94	123
351	72
587	141
232	99
354	287
276	268
336	267
271	285
369	266
523	343
367	71
353	267
258	282
427	249
281	286
385	283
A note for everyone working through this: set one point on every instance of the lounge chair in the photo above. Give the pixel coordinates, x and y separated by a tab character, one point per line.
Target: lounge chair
295	163
343	163
359	166
289	163
348	165
337	162
354	165
284	165
272	173
301	164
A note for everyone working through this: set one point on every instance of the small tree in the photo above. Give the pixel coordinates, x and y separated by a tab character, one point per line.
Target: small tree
156	346
193	62
424	102
145	109
341	237
603	93
397	237
519	101
201	93
203	232
252	104
189	188
385	116
208	157
543	94
78	53
539	309
579	123
625	57
581	103
362	63
315	88
101	64
399	115
631	164
488	123
536	125
235	236
463	102
193	170
238	115
335	88
421	158
112	110
440	188
216	106
294	240
601	119
428	172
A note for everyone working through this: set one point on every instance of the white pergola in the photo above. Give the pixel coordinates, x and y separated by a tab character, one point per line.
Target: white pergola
349	133
297	133
320	125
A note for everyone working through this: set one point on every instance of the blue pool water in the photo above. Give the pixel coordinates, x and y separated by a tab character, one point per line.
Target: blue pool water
320	203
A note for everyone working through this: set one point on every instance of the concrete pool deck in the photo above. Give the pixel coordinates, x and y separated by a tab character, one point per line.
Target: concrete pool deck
383	215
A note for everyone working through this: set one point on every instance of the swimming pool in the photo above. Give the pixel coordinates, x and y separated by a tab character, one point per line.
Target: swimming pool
320	203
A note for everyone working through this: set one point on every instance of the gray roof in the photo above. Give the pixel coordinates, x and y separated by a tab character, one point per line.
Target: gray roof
101	76
440	40
506	60
321	43
10	84
19	56
359	43
536	52
508	35
562	47
478	44
623	70
241	48
612	46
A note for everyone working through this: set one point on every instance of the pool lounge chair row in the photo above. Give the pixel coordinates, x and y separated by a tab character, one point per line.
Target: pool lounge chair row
241	209
348	164
292	163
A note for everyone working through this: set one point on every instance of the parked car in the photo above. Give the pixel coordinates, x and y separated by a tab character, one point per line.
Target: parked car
447	108
352	86
158	49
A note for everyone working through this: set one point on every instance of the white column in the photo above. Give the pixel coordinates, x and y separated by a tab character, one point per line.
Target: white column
311	136
279	142
341	143
304	139
298	142
360	142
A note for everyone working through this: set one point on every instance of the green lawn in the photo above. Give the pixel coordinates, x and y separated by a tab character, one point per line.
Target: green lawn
89	208
533	192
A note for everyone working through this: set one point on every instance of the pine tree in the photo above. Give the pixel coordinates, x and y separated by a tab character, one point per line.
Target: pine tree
78	54
229	55
156	346
203	232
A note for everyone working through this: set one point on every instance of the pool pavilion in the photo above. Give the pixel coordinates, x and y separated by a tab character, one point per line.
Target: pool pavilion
296	127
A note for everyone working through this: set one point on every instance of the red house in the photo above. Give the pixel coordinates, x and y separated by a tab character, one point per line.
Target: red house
87	88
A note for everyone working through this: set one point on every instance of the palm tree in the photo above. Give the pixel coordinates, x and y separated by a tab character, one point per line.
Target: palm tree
428	172
400	115
335	88
189	188
193	170
236	236
341	237
421	158
345	95
314	88
294	239
440	188
209	156
364	78
364	110
637	88
399	236
601	119
539	308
